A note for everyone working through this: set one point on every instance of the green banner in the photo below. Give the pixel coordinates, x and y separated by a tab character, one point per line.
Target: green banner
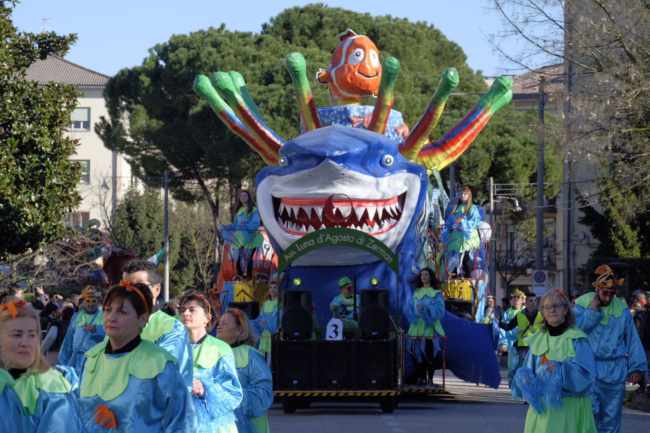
337	237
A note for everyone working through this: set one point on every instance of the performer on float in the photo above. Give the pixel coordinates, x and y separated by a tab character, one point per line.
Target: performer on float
558	373
426	310
267	322
216	391
85	330
527	322
162	329
128	383
34	398
252	370
460	234
344	306
605	319
244	233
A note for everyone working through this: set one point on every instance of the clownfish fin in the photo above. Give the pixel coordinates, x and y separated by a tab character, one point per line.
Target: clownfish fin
323	76
348	33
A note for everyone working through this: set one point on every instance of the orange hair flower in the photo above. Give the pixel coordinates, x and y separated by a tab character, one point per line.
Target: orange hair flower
105	417
130	287
13	307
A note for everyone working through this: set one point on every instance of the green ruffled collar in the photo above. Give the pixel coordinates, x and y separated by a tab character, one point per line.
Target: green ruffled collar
241	355
425	291
107	376
208	353
29	386
83	318
158	325
270	306
555	348
614	309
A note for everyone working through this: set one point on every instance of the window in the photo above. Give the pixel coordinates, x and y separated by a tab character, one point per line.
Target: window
77	220
85	170
80	119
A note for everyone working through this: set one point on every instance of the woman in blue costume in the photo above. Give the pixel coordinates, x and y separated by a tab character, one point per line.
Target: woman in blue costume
424	313
34	398
508	339
254	374
129	384
606	320
86	329
244	233
460	234
558	373
266	323
216	391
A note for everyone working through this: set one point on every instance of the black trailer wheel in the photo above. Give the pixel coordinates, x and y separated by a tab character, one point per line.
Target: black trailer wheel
288	405
388	404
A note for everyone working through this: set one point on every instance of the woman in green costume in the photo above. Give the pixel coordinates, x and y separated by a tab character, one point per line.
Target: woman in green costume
558	373
216	391
254	374
129	384
34	398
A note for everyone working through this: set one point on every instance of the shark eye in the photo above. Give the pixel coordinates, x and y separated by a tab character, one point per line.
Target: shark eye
387	160
356	57
283	161
374	58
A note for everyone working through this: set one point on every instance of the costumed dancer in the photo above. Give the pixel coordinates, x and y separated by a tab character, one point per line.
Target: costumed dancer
254	374
216	391
343	307
558	373
527	322
245	233
162	329
34	397
508	339
86	329
490	313
460	234
424	313
605	319
129	384
266	323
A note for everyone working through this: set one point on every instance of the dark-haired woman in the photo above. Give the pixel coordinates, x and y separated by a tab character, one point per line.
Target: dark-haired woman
216	391
244	233
426	309
254	374
34	398
129	384
558	373
460	234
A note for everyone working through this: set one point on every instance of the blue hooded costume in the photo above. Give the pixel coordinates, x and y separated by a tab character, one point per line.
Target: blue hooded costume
214	366
618	352
424	314
266	325
255	378
85	331
38	403
141	390
170	334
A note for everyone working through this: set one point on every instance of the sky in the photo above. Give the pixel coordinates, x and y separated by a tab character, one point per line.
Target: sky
116	34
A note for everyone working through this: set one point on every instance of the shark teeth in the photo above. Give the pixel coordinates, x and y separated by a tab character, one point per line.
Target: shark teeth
303	215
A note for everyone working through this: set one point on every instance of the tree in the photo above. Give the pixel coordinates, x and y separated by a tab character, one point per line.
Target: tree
38	181
604	45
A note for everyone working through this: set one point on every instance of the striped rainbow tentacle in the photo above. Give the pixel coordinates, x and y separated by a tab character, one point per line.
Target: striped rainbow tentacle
242	88
386	98
203	87
306	106
222	81
419	136
443	152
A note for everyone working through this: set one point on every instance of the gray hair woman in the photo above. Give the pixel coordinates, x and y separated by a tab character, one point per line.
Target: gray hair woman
558	373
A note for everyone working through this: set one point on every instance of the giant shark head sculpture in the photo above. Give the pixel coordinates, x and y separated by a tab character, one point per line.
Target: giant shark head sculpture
346	177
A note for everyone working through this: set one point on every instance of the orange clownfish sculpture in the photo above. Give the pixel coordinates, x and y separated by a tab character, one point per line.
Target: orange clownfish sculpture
354	71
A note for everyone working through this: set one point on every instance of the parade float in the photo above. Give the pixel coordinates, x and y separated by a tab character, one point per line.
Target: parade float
358	195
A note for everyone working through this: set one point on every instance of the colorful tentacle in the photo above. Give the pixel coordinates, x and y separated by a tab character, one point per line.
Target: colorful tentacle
203	87
443	152
242	88
386	98
307	107
222	81
419	136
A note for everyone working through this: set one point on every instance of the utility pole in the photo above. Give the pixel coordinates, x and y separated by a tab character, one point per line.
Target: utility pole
539	214
166	234
493	241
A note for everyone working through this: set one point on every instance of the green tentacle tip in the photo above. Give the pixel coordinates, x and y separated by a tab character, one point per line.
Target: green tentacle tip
296	63
237	79
501	84
391	67
224	84
202	85
450	77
